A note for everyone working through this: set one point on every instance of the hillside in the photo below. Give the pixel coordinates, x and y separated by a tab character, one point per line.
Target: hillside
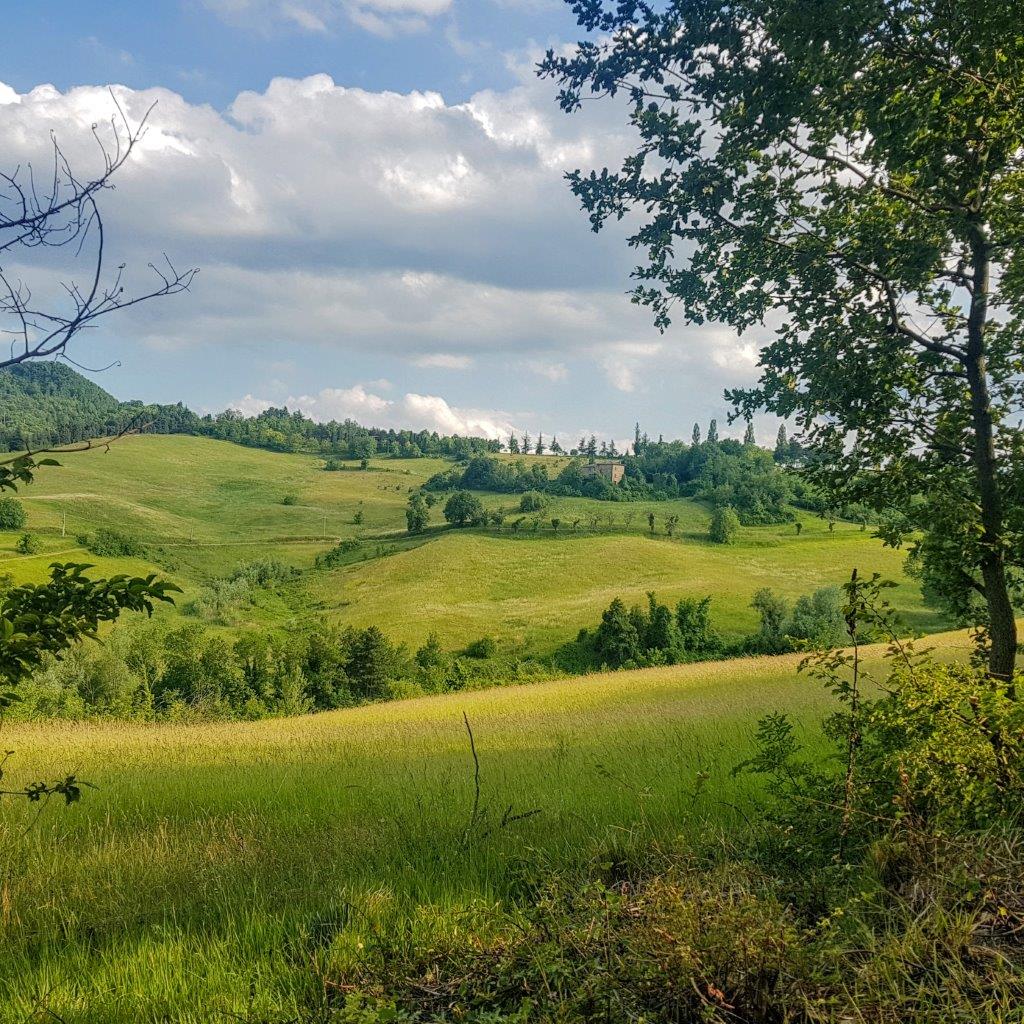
191	879
48	403
201	507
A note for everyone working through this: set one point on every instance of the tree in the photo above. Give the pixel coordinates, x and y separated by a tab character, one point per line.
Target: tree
671	523
540	447
725	524
696	435
781	445
713	432
417	515
12	514
463	508
773	612
617	638
28	544
860	174
748	436
650	522
513	445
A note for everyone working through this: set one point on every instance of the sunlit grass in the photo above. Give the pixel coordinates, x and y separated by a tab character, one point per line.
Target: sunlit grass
189	883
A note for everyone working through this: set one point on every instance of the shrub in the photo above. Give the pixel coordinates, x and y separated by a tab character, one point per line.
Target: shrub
12	514
29	544
338	554
114	544
290	499
725	524
485	647
264	572
533	501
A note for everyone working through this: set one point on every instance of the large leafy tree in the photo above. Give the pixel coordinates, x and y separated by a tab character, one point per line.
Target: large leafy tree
846	175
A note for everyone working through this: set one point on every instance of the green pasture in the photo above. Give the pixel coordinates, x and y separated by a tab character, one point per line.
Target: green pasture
221	871
202	507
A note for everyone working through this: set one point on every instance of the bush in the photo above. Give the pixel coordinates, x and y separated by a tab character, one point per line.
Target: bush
338	555
264	572
12	514
533	501
725	524
114	544
28	544
485	647
290	499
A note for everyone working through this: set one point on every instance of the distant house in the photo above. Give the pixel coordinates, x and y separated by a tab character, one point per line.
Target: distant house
613	472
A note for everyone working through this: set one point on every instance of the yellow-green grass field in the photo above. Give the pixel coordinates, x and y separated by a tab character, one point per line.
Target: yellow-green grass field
221	871
203	506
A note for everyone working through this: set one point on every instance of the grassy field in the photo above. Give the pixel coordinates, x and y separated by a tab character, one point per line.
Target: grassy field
219	871
202	507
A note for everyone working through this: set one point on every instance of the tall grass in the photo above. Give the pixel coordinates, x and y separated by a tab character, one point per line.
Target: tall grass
212	859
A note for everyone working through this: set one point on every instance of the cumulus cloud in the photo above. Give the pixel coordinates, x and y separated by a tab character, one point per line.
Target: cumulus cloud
412	411
366	224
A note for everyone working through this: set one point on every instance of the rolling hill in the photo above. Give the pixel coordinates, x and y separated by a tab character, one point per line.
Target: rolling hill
201	507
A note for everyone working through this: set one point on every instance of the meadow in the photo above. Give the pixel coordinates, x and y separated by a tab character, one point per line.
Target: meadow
202	507
223	871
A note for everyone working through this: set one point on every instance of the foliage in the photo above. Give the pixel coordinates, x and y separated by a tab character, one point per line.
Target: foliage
724	526
28	544
652	635
722	471
12	514
340	554
464	509
417	515
854	178
533	501
112	543
37	619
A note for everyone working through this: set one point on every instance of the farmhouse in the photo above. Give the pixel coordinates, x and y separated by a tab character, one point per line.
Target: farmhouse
613	472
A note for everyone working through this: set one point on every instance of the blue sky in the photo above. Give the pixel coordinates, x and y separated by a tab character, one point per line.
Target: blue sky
373	191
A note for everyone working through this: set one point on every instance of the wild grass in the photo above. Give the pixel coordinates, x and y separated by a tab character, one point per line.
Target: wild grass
212	861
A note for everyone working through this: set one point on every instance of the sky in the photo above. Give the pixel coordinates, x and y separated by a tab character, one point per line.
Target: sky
373	191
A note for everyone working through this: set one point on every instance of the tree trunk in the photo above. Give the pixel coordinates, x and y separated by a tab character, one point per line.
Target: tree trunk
1002	625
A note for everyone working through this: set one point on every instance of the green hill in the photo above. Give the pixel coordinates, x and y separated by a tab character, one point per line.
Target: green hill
201	507
48	403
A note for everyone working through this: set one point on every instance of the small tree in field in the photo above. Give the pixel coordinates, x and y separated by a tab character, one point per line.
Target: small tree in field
463	508
416	514
725	525
12	514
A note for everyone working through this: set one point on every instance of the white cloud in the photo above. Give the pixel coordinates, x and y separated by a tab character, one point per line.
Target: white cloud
443	361
624	361
412	411
547	369
368	224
